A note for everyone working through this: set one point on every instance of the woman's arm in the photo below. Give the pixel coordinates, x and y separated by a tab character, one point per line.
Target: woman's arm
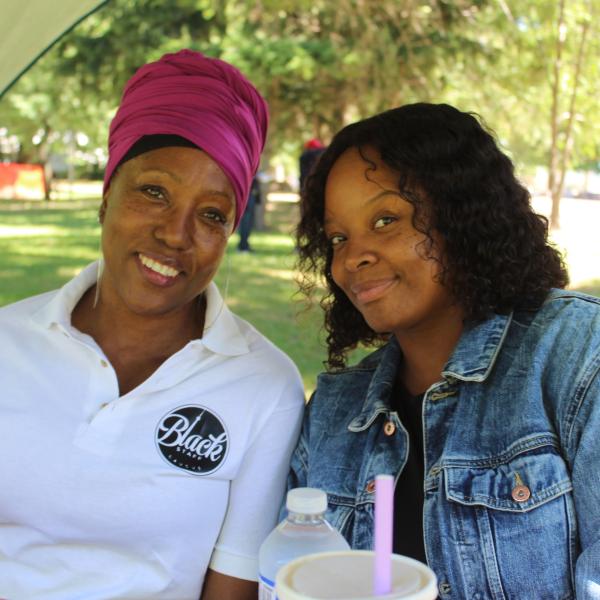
257	488
223	587
586	486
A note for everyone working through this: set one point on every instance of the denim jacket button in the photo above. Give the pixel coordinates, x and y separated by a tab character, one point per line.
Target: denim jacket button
444	587
370	486
520	493
389	428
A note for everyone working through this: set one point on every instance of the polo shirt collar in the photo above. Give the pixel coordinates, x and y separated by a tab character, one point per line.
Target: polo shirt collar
222	334
57	311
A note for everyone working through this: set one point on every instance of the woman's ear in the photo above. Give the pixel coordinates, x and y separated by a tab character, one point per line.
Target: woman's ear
102	209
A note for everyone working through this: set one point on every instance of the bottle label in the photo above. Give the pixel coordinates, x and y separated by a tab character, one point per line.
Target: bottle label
266	589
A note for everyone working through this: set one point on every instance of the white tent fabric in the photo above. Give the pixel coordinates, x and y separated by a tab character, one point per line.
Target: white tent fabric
29	27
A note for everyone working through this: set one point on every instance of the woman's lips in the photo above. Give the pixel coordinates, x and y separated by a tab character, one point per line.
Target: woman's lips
156	271
369	291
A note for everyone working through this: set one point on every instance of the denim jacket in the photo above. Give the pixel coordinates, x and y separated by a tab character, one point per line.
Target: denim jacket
511	450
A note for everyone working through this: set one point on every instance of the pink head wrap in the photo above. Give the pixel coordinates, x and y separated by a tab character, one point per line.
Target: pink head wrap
204	100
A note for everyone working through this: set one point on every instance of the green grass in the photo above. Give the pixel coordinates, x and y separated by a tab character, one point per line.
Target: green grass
590	287
43	245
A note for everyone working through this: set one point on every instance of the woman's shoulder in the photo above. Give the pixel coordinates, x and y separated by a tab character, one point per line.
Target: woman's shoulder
562	336
24	308
567	322
571	300
349	385
572	313
562	309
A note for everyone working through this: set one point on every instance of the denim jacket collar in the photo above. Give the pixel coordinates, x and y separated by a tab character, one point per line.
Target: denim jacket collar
377	398
477	349
472	360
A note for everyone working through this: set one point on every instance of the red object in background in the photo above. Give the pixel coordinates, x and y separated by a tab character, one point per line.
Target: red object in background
22	182
313	144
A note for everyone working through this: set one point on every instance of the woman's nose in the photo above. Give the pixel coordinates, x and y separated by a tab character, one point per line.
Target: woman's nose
175	229
358	255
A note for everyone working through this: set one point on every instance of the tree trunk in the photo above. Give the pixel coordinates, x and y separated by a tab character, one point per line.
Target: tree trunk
560	156
568	139
44	159
553	163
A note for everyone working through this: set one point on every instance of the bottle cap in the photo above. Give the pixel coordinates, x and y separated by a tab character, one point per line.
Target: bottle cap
308	501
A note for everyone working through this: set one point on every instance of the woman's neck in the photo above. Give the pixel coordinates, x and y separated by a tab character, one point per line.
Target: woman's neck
136	345
426	351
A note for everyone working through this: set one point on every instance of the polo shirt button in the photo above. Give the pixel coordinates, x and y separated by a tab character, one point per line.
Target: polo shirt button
370	486
389	428
104	363
521	493
103	405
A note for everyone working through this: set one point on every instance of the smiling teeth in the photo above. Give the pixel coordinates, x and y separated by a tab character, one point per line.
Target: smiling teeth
158	267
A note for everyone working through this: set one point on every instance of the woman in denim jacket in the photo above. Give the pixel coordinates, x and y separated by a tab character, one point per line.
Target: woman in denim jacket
483	397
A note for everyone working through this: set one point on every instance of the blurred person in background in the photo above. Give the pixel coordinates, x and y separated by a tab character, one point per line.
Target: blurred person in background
311	151
248	218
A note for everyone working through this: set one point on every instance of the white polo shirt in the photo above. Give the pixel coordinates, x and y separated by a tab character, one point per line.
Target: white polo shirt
135	496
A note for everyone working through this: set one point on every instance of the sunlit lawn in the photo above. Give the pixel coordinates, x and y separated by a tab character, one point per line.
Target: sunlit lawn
42	247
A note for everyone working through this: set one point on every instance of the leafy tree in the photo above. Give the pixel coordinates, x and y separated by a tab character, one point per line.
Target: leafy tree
537	83
321	64
566	82
76	86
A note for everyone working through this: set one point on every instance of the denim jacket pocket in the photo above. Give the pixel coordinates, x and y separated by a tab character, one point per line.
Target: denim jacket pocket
513	516
517	484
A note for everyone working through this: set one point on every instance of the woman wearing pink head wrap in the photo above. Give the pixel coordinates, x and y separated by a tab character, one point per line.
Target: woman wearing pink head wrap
205	101
159	424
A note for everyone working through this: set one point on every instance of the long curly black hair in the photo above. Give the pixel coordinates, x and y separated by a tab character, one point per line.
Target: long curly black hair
496	254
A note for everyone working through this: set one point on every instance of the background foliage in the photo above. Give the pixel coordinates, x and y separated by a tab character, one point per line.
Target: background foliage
322	64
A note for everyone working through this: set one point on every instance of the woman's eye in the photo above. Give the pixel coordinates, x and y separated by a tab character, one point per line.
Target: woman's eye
383	221
334	240
155	192
215	215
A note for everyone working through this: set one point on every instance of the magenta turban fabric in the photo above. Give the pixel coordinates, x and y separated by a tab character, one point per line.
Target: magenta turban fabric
204	100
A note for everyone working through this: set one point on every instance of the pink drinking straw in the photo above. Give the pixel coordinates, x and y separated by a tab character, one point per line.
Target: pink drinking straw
384	526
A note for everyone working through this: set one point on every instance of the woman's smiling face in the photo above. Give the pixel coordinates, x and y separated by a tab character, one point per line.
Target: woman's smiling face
166	219
379	260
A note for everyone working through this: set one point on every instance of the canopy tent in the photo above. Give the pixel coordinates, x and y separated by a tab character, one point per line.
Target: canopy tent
30	27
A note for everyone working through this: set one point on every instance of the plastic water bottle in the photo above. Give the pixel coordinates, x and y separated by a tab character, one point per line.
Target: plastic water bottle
304	531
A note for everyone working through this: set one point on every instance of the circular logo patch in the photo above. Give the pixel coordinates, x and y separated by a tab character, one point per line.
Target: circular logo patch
193	439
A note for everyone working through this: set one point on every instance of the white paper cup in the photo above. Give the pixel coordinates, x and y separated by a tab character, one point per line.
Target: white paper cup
348	575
